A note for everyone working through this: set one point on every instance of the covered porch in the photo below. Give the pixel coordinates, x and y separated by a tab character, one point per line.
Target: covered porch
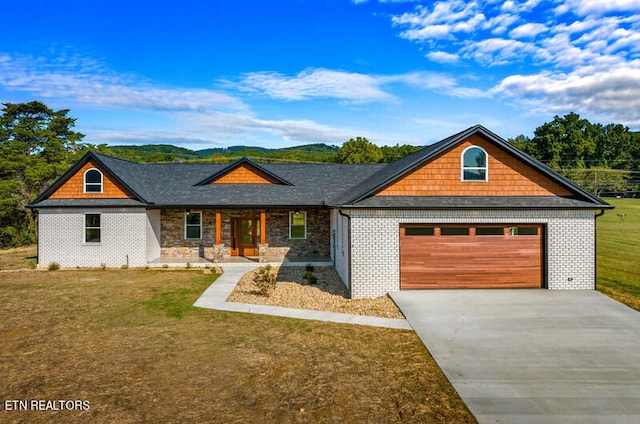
199	262
206	237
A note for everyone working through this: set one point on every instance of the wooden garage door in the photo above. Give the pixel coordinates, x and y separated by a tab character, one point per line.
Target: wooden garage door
471	256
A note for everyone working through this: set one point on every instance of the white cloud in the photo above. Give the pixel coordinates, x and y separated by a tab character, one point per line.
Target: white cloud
443	57
84	81
601	7
499	51
565	54
511	6
445	19
501	23
442	84
226	127
352	87
470	30
317	83
608	94
529	30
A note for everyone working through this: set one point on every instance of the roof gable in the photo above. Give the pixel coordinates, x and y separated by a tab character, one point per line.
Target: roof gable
533	170
244	171
441	176
71	184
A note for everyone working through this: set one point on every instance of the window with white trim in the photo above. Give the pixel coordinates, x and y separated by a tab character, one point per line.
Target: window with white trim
93	181
92	229
474	164
297	225
193	225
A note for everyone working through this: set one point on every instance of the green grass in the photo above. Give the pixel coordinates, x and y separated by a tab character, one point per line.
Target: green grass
131	344
618	252
175	302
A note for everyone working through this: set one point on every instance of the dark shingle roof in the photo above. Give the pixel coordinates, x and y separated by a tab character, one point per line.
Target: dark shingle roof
97	203
176	184
474	202
304	185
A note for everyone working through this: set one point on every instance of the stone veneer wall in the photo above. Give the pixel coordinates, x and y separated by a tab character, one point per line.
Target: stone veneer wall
317	242
173	242
375	244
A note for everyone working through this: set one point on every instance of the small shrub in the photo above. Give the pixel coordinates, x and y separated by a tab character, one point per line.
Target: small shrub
165	265
309	268
53	266
125	266
265	280
310	277
188	265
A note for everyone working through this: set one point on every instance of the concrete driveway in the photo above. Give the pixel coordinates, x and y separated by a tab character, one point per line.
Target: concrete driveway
533	356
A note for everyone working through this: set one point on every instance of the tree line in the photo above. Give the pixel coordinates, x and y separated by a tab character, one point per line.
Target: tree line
37	144
604	159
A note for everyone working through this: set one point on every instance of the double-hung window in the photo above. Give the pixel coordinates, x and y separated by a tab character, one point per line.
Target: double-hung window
298	225
193	225
92	229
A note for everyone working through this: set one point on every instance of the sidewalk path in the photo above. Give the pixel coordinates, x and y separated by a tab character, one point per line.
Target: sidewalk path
215	297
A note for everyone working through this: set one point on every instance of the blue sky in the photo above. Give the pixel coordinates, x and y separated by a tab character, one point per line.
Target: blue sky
204	74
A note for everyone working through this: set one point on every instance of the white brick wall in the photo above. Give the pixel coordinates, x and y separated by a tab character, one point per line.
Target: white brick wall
340	225
61	238
153	234
375	244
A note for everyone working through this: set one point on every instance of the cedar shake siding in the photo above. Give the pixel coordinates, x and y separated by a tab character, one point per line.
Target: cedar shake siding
245	174
73	188
507	176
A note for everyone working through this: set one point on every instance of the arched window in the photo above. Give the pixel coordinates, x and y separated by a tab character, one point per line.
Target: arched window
474	164
93	181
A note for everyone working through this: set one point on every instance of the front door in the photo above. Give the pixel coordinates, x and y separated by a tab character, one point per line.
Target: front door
245	236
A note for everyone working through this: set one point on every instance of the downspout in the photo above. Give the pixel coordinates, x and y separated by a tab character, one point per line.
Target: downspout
348	245
595	248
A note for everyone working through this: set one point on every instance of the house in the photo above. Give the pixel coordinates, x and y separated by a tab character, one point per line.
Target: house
470	211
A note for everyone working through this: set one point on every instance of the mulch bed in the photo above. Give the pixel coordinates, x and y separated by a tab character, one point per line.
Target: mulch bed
329	294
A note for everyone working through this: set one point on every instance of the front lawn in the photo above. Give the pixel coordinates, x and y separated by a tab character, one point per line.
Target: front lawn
618	250
130	343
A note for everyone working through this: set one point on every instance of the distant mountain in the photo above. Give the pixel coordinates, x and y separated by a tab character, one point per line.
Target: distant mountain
232	149
168	153
154	153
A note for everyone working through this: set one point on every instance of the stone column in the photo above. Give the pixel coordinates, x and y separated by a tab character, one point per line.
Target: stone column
218	253
264	252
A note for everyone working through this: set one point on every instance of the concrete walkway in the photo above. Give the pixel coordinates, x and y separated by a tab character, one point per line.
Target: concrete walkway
533	356
215	297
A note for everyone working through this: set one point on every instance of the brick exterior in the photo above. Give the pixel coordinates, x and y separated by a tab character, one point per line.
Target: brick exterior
375	244
61	238
340	245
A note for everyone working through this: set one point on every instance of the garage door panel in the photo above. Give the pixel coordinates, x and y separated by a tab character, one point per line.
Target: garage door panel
471	261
